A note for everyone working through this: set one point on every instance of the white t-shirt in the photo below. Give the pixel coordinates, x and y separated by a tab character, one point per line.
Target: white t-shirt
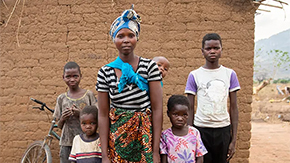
84	151
212	87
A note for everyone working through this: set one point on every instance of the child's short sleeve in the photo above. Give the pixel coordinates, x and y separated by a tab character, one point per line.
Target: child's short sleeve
72	156
153	72
92	98
200	148
191	87
102	84
163	146
234	82
57	109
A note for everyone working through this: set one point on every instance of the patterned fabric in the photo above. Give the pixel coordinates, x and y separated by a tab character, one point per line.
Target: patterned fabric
132	97
129	19
182	149
130	138
128	75
72	126
84	151
212	87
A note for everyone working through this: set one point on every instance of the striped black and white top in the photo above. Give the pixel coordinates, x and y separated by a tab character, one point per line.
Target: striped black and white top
132	97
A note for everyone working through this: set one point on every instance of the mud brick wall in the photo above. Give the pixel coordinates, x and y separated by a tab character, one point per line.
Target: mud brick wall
53	32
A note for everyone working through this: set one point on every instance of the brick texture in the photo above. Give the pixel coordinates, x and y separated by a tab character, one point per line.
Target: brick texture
56	31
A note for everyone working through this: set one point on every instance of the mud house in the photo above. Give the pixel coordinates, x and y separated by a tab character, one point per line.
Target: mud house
34	51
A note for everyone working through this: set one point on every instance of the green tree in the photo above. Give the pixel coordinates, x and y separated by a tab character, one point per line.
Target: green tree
260	73
281	60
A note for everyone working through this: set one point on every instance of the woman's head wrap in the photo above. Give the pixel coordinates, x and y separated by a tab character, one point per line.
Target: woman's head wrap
129	19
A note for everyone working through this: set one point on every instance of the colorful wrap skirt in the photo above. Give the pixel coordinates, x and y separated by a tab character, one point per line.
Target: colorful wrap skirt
130	138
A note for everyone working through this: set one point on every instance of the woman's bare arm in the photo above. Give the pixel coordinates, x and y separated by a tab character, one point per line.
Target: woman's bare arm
157	116
103	121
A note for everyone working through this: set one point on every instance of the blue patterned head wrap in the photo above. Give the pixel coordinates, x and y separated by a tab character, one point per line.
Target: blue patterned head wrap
129	19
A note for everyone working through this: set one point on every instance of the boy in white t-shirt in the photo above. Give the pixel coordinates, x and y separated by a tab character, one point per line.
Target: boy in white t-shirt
87	147
212	84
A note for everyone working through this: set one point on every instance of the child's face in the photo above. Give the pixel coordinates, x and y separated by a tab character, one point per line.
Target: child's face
163	66
72	77
212	50
178	116
89	124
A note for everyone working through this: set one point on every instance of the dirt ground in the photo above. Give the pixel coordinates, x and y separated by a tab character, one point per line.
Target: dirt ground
270	142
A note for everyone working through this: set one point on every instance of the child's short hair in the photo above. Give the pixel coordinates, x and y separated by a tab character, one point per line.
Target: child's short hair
211	36
71	65
175	100
90	109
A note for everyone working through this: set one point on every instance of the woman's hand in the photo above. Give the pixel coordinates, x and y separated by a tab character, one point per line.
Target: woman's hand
156	157
105	159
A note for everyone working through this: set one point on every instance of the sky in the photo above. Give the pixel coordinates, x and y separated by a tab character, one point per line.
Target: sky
271	23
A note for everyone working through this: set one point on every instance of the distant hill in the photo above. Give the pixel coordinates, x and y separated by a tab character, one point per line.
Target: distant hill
264	63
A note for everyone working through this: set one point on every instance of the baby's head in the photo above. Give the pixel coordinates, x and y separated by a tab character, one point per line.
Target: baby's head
163	65
177	110
89	120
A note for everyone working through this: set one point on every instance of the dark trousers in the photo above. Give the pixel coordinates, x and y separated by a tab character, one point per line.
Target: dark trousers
216	141
64	154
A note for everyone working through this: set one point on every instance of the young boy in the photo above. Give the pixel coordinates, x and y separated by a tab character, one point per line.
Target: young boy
163	65
212	84
86	147
180	143
68	106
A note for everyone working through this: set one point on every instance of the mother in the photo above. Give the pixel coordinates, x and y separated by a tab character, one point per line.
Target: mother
129	99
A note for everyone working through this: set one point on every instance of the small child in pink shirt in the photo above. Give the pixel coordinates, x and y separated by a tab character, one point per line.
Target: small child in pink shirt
181	142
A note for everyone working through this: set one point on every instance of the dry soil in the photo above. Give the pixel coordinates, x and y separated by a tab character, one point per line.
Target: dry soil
270	142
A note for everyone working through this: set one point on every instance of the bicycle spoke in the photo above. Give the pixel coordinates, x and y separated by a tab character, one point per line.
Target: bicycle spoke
30	156
28	159
36	155
39	155
43	160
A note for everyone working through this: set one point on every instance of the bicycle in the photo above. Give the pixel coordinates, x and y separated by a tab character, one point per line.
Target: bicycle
39	151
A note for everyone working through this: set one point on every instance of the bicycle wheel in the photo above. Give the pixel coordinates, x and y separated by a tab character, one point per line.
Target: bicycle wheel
35	153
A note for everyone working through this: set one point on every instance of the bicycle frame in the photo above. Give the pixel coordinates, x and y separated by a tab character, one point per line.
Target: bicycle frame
51	132
48	137
40	150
